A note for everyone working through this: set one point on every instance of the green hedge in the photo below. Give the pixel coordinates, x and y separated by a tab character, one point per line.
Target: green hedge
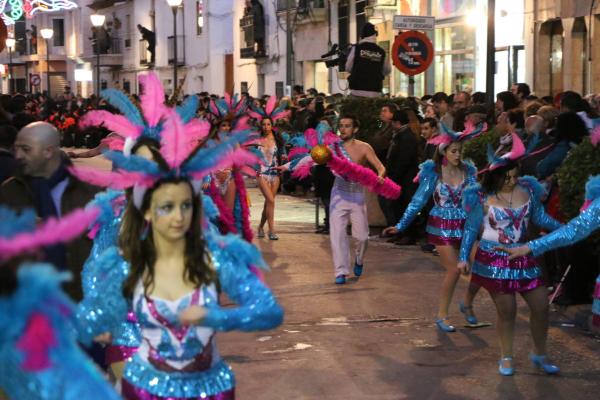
367	111
476	149
582	162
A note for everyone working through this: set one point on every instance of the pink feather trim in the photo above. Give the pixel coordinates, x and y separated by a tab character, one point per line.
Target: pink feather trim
297	151
281	115
242	157
303	168
259	274
241	124
153	99
517	150
240	187
227	224
114	142
330	138
228	100
175	146
440	139
595	136
586	205
37	340
51	232
112	122
364	176
212	107
255	115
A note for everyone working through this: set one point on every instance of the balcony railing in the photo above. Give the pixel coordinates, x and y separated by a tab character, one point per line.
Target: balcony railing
180	49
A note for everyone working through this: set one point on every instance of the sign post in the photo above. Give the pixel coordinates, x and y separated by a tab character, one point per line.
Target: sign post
412	54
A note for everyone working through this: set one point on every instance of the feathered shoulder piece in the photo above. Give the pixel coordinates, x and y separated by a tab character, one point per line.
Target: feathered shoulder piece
30	237
516	152
471	170
269	111
534	187
472	197
447	135
110	203
427	171
244	254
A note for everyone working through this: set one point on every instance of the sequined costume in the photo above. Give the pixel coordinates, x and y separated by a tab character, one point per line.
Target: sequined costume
176	362
268	170
574	231
503	226
39	355
447	217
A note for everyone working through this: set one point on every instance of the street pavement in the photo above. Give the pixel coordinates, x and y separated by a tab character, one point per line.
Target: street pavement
374	338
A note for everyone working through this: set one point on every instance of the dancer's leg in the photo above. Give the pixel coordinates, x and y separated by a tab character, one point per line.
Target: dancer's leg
229	196
537	300
265	189
449	259
270	210
506	308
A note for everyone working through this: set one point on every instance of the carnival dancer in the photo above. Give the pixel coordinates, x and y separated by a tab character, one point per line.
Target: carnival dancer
574	231
348	204
169	269
137	131
40	358
272	146
501	209
444	178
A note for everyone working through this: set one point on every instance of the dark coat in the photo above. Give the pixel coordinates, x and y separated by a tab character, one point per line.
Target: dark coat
381	141
16	193
402	161
8	165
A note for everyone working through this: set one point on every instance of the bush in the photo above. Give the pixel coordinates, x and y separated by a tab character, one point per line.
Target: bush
582	162
367	111
476	149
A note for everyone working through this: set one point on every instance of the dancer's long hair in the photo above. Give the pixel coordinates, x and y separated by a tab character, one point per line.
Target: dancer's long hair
493	180
141	254
438	159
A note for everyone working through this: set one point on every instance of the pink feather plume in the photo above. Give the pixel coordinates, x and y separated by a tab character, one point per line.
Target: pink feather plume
253	114
242	157
270	106
517	150
51	232
359	174
175	146
440	139
330	138
114	142
227	223
303	168
196	132
212	107
281	115
153	99
112	122
240	187
116	180
228	100
312	137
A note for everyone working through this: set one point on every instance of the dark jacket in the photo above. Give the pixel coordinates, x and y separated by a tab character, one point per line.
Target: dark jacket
402	161
16	193
367	70
381	141
8	165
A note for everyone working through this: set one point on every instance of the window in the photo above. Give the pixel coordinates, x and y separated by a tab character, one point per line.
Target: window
58	25
127	30
127	87
343	23
454	58
199	16
244	87
279	89
361	17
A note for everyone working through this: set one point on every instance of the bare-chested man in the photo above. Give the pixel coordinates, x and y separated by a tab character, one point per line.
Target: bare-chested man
348	203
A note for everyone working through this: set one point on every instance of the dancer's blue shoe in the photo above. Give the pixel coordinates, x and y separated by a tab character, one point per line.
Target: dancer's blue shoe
443	326
505	371
542	363
471	319
340	279
358	269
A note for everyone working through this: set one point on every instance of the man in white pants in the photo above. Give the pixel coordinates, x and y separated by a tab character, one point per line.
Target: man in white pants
348	203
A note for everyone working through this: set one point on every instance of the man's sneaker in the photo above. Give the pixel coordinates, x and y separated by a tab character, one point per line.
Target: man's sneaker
358	269
340	279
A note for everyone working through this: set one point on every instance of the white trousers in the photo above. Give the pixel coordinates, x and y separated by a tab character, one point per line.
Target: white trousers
347	206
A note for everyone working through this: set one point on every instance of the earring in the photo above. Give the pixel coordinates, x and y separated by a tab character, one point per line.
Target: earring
145	230
444	161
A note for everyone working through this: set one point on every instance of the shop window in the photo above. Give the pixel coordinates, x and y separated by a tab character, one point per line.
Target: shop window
455	58
58	39
556	57
580	54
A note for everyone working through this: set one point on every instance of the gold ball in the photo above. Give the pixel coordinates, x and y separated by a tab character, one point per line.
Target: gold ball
320	154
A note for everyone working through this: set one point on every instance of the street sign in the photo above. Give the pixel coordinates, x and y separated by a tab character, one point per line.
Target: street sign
34	80
414	23
412	52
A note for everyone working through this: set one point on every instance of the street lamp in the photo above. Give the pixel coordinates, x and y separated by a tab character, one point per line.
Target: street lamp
97	22
10	44
174	4
47	34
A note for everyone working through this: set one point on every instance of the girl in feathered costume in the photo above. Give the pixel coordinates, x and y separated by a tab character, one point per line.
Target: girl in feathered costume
227	188
40	358
445	179
272	150
574	231
499	212
167	269
138	132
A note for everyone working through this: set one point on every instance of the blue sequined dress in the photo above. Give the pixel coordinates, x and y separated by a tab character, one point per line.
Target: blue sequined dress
39	355
176	362
446	218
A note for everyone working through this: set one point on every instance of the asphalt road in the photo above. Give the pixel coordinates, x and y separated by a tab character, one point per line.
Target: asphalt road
374	338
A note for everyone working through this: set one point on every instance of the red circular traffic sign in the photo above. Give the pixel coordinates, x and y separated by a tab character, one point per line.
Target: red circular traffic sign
34	79
412	52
